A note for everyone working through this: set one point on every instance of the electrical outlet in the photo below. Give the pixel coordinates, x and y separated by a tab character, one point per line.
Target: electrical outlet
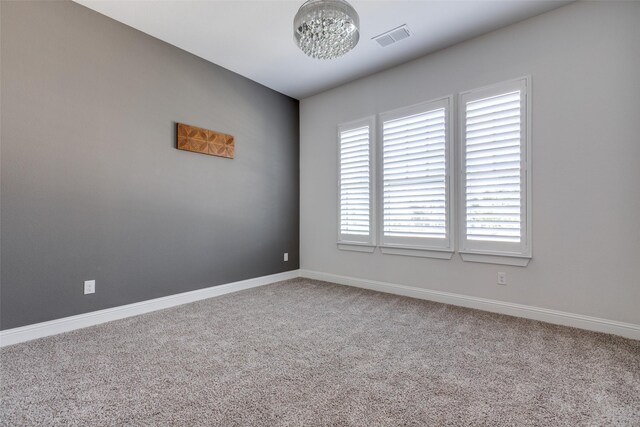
286	256
502	278
89	287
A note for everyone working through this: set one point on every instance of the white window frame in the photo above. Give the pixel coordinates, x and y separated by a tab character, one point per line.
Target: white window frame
353	242
517	254
410	246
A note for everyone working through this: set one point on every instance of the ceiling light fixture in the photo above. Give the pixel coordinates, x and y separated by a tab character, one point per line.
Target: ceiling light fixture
326	29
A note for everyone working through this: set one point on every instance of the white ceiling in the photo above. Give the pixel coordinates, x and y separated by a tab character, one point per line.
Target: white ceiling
254	38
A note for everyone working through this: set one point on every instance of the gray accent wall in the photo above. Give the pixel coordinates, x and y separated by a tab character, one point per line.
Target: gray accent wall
92	186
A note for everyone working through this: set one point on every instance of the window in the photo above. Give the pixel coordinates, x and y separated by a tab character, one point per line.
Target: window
396	179
494	165
415	188
355	229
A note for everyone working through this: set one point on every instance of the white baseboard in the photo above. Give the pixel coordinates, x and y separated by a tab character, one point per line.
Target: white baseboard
53	327
44	329
627	330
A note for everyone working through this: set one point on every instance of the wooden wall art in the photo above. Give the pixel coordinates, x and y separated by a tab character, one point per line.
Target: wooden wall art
198	140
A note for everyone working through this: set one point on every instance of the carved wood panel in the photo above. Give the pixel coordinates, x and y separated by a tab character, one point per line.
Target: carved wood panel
199	140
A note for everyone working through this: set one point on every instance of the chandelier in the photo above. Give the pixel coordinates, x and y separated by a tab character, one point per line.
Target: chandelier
326	29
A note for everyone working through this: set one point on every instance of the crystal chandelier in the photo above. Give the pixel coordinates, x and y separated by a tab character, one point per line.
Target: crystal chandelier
326	29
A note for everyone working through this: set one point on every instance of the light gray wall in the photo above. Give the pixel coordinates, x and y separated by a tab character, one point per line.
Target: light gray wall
584	60
92	186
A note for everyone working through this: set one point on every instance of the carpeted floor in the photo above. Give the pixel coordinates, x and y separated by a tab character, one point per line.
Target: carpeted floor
304	352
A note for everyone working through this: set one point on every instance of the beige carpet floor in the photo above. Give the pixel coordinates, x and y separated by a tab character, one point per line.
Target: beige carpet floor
304	352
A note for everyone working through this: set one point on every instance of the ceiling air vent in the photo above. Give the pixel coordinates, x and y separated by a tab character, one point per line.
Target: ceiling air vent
392	36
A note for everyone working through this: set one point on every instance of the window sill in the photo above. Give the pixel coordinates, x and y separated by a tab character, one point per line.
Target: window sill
516	260
416	252
356	247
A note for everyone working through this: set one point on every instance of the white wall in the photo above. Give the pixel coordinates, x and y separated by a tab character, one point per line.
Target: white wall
584	60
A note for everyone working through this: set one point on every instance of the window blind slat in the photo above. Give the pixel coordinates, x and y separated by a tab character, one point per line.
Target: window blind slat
418	163
433	227
482	182
413	235
492	153
416	118
439	217
490	159
429	161
417	201
490	167
438	144
434	180
417	169
404	211
404	126
406	136
504	136
487	211
494	121
489	129
493	173
493	144
417	188
496	115
360	155
412	152
414	206
362	185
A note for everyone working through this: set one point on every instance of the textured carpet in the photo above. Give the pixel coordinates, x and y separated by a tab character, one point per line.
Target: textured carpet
304	352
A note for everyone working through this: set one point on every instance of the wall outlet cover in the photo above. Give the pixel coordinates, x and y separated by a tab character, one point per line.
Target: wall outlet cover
502	278
89	287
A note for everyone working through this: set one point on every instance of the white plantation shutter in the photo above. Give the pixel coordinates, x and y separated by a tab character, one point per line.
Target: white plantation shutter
356	198
415	188
494	169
